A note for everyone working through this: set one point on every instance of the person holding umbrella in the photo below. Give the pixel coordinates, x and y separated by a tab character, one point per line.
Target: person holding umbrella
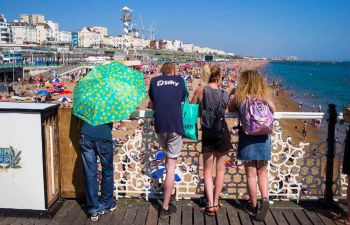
108	93
167	92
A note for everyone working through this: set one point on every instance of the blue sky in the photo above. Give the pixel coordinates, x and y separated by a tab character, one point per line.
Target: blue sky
309	29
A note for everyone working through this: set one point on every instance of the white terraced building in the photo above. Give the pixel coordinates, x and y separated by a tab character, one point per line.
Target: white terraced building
5	31
65	36
55	31
23	32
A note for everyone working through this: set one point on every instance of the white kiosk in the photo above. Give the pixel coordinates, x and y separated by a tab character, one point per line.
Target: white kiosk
29	156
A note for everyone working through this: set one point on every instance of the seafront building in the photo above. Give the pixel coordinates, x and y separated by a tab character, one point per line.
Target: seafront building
32	18
23	32
55	32
5	30
43	32
65	37
35	30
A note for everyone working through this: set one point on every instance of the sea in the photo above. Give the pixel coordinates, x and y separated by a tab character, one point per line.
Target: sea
313	83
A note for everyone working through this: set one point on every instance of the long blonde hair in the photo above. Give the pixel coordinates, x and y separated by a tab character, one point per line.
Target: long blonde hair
205	73
253	84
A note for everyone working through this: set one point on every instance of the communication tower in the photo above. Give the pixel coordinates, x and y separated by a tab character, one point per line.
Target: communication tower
126	18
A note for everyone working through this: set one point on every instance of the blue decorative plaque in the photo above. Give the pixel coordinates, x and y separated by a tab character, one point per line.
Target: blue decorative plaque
9	158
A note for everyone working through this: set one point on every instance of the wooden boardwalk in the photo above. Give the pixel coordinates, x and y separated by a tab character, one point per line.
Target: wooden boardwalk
139	212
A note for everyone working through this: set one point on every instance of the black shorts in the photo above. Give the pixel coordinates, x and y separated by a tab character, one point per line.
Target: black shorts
220	145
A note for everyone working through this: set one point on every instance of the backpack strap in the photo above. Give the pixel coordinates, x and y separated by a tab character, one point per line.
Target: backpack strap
221	99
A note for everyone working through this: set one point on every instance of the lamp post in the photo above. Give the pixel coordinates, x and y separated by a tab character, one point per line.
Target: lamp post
13	69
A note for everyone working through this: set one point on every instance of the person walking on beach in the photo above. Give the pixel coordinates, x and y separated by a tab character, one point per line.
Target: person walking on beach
96	141
166	93
216	139
304	132
252	101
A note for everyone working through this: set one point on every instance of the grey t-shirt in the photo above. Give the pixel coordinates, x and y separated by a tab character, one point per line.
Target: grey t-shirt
212	98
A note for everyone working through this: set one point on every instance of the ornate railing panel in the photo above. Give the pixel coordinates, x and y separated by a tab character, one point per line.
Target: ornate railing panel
284	167
295	170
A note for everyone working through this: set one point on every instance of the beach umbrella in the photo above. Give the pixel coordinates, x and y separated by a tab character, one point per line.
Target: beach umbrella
64	99
65	92
55	80
43	92
52	89
108	93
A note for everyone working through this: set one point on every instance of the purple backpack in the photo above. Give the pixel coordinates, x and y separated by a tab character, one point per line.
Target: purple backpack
256	117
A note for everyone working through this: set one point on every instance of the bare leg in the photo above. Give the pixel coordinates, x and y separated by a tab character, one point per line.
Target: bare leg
220	174
263	179
208	176
169	181
251	172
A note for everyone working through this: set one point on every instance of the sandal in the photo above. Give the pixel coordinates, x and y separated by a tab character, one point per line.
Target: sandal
217	207
208	210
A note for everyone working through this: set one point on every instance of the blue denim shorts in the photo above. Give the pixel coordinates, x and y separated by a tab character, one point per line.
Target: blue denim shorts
254	147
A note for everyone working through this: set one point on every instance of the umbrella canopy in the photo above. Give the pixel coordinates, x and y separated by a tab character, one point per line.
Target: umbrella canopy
108	93
43	92
64	99
51	89
55	80
65	92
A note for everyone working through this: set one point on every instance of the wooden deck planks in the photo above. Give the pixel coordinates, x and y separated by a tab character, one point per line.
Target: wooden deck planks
118	215
233	215
71	215
221	216
324	218
139	212
66	207
313	217
187	214
210	220
198	216
130	215
269	220
301	216
81	218
175	219
290	217
278	216
141	215
152	217
244	217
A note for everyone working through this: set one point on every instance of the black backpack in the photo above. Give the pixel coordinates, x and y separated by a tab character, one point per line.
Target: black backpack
212	120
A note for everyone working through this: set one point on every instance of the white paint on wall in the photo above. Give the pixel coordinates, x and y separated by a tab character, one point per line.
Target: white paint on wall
22	188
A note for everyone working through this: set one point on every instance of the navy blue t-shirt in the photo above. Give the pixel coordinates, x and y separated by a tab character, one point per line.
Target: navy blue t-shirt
167	93
97	133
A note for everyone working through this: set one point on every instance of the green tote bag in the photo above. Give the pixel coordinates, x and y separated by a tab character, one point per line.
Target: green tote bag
189	118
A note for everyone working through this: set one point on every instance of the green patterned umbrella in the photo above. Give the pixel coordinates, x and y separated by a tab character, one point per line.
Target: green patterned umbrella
108	93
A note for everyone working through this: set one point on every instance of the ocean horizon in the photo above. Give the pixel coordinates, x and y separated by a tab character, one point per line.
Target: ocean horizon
313	83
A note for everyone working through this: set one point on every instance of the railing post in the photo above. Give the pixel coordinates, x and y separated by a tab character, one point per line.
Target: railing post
332	120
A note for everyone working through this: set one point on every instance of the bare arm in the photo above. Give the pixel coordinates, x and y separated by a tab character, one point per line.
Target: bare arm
271	105
232	105
198	95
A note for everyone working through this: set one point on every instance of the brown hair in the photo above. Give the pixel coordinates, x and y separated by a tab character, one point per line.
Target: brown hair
168	68
215	74
251	83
